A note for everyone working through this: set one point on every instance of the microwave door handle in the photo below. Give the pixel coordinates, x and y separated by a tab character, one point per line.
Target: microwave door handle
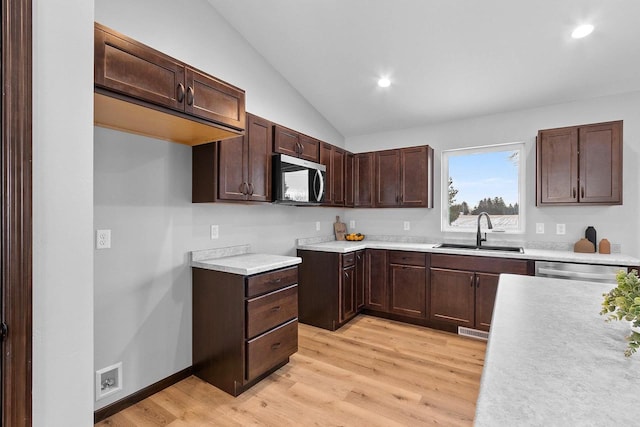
316	178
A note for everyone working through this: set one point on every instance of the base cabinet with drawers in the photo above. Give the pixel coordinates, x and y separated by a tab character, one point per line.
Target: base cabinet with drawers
244	327
331	287
463	288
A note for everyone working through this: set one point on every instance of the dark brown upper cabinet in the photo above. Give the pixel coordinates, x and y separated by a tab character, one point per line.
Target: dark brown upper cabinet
237	169
292	143
363	180
580	165
141	90
404	177
334	159
349	181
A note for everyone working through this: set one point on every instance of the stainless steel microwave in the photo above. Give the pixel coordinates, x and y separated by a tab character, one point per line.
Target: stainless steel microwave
297	182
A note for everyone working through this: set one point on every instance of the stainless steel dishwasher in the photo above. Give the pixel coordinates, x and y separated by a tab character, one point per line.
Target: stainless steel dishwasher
584	272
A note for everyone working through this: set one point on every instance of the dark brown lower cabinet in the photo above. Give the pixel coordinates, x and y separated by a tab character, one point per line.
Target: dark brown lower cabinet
396	283
244	327
376	280
408	283
331	287
463	288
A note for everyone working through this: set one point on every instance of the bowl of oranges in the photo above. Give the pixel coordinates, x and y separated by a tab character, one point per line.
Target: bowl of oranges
354	236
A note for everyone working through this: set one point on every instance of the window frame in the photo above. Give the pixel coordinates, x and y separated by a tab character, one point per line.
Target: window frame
520	146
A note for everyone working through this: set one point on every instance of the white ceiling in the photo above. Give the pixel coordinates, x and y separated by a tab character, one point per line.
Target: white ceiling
447	59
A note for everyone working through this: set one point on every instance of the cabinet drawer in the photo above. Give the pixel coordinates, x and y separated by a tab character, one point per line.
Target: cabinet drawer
483	264
407	258
348	259
267	311
267	350
267	282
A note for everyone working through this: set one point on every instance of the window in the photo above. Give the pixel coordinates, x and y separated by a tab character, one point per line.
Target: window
483	179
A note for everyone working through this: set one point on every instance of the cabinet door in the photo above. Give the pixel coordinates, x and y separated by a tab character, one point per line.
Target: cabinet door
407	293
326	158
232	179
376	280
452	297
347	293
360	279
286	141
309	148
213	100
259	158
601	163
337	175
349	181
486	287
557	166
415	180
138	71
387	183
363	171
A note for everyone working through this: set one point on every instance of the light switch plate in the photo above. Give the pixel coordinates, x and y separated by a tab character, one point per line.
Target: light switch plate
407	226
561	229
539	227
352	224
317	225
215	232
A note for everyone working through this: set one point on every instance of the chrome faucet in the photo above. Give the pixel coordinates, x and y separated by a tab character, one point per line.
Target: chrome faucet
479	238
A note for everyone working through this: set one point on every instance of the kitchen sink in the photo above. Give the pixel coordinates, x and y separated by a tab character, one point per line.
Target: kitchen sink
480	248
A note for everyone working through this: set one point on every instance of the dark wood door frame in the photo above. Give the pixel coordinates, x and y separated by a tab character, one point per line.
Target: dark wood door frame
16	212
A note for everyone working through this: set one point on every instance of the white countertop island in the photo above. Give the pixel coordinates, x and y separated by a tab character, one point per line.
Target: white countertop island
552	360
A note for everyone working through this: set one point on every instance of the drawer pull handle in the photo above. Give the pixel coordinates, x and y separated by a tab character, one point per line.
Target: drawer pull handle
276	308
276	281
275	346
180	92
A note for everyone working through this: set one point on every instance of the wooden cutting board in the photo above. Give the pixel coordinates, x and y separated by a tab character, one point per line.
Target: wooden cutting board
340	229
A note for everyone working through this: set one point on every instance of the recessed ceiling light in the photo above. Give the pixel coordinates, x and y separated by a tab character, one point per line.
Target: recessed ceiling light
384	82
582	31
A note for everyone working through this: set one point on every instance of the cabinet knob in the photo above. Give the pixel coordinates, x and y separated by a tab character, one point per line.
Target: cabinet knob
180	96
190	95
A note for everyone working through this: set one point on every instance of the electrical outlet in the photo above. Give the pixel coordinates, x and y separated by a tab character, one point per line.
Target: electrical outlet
407	226
103	239
539	227
317	225
616	248
352	224
561	229
214	232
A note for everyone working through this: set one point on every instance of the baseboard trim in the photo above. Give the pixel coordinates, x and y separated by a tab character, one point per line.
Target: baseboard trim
139	395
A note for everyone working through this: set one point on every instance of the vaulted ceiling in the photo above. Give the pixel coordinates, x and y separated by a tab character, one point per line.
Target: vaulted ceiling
446	59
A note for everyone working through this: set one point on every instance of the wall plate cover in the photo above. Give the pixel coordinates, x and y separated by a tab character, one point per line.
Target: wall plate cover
352	224
103	239
539	227
561	229
214	232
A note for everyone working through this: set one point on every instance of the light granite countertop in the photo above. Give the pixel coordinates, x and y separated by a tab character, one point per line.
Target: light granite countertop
552	360
535	254
239	260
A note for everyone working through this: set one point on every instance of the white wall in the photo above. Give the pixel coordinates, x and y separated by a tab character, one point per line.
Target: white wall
620	224
143	194
62	213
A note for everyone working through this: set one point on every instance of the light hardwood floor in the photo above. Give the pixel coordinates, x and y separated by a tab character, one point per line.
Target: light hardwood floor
371	372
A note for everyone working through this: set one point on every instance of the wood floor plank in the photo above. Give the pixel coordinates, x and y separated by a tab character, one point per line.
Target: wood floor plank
371	372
